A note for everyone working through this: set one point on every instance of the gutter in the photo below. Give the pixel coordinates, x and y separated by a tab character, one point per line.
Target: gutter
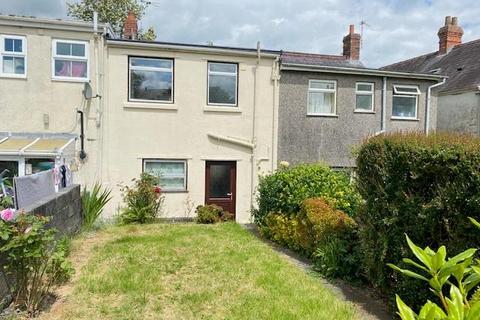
429	96
188	48
359	71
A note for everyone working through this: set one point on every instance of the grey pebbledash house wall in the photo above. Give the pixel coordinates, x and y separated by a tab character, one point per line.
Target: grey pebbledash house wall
331	139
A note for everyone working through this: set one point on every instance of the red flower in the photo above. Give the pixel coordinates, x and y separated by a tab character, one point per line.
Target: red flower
157	189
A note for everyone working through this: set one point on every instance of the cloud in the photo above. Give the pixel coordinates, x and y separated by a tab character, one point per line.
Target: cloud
397	29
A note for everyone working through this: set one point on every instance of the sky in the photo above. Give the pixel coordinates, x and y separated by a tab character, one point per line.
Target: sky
395	29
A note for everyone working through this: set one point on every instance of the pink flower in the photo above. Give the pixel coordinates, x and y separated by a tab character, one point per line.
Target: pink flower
7	214
157	189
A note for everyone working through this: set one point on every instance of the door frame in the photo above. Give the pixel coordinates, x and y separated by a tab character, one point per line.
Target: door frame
233	181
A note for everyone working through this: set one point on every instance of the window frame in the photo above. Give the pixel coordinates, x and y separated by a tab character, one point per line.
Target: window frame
129	91
334	91
185	177
4	53
85	58
400	93
365	93
224	74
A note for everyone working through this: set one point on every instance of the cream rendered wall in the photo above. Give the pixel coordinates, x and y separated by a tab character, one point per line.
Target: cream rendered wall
24	102
179	131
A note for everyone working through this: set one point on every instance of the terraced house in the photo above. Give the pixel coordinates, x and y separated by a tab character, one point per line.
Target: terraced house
207	119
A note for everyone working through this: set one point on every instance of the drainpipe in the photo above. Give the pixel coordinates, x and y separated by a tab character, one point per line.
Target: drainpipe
383	126
253	162
276	77
429	96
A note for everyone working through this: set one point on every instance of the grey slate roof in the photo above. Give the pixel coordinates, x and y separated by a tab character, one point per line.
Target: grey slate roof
318	60
461	65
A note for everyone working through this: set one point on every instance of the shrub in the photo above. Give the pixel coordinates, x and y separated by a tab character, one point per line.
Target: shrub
284	230
212	213
283	191
143	200
419	185
34	260
93	202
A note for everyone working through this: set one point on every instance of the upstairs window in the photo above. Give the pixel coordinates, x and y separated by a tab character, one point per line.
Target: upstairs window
151	80
14	56
70	60
405	102
222	83
322	97
364	96
172	173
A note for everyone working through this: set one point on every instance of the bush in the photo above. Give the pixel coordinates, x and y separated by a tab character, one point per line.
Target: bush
212	213
283	191
143	200
34	260
420	185
93	202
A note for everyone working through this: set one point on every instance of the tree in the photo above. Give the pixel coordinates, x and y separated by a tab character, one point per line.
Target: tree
113	12
149	35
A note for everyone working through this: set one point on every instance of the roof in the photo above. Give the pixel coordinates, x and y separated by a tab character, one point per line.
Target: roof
34	144
288	57
190	47
461	65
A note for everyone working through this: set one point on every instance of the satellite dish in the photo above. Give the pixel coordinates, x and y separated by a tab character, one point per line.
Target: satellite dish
87	91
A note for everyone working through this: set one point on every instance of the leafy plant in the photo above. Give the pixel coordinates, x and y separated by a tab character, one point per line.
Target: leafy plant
420	185
143	200
34	260
460	273
284	191
212	213
93	202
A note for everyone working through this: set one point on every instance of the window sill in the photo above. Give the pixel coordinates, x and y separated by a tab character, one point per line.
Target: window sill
222	109
404	119
364	111
70	80
326	115
174	191
8	76
153	106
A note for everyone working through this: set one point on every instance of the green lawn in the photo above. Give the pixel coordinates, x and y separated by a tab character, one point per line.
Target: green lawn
188	271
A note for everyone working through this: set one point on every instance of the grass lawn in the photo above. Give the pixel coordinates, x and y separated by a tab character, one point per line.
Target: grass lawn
188	271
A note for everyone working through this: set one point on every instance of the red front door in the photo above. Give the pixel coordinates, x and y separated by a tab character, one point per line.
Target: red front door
220	184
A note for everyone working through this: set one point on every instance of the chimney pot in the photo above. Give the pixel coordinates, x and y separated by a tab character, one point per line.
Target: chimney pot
448	20
352	29
454	21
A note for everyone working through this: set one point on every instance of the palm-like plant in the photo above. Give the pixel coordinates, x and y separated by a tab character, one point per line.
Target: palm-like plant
93	202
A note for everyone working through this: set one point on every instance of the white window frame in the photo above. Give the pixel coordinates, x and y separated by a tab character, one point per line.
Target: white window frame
334	91
22	54
398	92
365	93
229	74
185	176
171	70
70	58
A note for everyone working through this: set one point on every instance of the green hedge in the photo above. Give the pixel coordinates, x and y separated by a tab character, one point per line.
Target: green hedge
424	186
284	191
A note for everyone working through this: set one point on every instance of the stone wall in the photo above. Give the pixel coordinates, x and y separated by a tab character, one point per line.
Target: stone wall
65	211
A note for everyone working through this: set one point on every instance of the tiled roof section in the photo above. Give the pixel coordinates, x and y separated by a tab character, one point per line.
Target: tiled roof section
319	60
461	65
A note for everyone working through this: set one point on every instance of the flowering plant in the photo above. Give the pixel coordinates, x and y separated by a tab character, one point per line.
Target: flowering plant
7	214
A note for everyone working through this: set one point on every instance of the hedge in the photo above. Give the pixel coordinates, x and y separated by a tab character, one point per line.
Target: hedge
283	191
424	186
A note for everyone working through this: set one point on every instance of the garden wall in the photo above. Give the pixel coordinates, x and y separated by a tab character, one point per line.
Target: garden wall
65	211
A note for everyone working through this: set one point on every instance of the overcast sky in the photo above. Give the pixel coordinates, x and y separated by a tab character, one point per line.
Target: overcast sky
395	30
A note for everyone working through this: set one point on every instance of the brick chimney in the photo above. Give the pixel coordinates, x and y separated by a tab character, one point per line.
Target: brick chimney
450	35
351	44
130	27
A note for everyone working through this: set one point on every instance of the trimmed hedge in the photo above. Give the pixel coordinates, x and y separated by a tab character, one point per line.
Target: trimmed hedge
424	186
283	191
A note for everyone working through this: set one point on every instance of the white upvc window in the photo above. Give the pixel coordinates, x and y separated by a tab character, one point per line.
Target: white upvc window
405	102
13	50
172	174
70	60
364	96
222	84
151	79
322	96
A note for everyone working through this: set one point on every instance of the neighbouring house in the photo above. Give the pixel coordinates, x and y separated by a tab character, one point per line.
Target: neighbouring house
459	97
44	67
203	118
329	104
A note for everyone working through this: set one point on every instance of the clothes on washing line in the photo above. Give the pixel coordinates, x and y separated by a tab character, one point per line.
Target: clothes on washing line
30	189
